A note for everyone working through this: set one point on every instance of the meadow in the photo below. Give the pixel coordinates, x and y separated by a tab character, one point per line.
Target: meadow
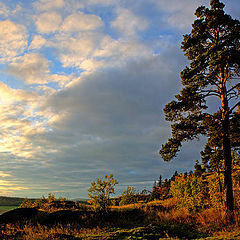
160	219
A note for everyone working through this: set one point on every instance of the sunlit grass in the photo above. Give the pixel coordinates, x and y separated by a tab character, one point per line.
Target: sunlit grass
161	219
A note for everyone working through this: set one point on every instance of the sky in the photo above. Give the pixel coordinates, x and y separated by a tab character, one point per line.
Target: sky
83	84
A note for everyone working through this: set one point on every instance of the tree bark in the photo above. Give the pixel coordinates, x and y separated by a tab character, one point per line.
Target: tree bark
227	185
227	157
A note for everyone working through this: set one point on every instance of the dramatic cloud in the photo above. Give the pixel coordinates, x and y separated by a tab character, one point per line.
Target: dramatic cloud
82	91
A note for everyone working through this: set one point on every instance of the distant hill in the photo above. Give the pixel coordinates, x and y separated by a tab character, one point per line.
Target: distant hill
16	201
12	201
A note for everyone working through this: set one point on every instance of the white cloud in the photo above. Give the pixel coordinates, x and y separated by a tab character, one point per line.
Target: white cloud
91	65
81	22
13	40
127	23
9	95
18	119
103	2
48	22
115	52
47	5
37	42
90	51
74	50
47	90
111	53
180	13
4	10
73	5
33	68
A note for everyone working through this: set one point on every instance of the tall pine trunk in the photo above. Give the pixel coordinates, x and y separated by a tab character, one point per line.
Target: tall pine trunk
227	185
227	157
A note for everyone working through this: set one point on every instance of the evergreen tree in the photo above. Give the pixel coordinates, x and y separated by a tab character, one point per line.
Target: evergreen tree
213	48
155	192
160	181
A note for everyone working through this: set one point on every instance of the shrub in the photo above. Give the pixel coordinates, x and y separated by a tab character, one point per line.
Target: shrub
191	192
26	204
100	191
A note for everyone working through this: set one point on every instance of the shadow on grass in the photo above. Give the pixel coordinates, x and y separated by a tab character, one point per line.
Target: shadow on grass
29	223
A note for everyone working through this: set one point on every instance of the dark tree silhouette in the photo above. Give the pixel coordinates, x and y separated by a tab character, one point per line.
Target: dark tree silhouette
213	48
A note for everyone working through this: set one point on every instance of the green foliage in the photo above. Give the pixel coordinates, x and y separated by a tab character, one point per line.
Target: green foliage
191	192
129	196
100	192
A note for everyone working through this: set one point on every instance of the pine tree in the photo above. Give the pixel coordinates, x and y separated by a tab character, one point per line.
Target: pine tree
159	181
213	48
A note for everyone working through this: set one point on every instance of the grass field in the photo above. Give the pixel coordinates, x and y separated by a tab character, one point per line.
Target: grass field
4	209
155	220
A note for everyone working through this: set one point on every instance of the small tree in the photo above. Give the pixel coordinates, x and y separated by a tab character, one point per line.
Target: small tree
100	192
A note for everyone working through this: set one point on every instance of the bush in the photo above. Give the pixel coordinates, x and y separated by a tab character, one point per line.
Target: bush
26	203
191	192
100	191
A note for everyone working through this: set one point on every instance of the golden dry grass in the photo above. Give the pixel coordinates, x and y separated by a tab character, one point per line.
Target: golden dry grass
162	213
